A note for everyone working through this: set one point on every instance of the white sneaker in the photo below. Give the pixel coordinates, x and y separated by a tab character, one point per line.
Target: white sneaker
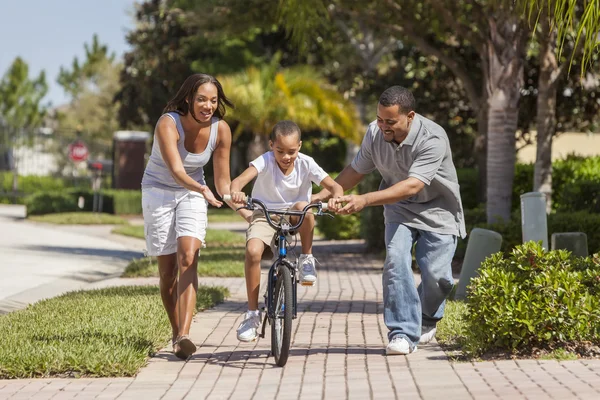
306	266
427	334
399	345
248	329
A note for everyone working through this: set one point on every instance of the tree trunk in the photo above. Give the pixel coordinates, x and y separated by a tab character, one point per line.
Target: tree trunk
546	113
504	81
480	149
257	146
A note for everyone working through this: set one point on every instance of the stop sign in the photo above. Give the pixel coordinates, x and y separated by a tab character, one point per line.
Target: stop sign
78	151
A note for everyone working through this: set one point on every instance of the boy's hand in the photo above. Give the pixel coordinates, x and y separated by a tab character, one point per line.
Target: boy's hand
354	203
333	205
210	197
238	197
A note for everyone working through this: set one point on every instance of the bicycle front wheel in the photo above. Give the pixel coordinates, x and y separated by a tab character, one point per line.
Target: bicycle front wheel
281	328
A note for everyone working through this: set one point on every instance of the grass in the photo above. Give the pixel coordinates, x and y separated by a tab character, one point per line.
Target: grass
224	256
452	328
225	262
136	231
214	237
224	214
99	333
79	218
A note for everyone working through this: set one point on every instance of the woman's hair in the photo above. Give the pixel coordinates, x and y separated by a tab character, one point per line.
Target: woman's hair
187	91
285	128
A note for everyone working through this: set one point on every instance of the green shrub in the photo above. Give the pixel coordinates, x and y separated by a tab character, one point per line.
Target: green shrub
118	202
579	196
533	298
50	202
575	184
511	231
468	179
341	227
31	183
372	223
123	201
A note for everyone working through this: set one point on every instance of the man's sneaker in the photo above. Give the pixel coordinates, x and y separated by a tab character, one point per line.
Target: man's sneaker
427	334
399	345
248	329
306	266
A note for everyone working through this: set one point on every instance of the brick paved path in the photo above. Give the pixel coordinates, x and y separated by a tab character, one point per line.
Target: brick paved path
337	353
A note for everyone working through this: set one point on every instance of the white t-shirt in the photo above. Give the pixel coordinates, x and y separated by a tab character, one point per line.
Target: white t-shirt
279	192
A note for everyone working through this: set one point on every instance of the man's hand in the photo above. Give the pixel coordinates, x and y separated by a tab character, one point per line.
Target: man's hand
354	203
210	197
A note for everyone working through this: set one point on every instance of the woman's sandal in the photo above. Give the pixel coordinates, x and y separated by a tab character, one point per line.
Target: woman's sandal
184	347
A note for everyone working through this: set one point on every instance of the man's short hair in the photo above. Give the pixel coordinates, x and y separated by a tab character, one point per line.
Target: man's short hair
400	96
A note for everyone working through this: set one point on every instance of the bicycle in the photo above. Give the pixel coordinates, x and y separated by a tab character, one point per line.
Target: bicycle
282	283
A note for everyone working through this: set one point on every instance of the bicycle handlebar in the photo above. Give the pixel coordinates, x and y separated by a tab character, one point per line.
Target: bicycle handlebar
251	202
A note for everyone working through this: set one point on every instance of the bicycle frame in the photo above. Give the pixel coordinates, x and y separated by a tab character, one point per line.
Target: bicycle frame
282	228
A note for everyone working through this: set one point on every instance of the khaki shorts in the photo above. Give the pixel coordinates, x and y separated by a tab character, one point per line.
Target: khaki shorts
260	229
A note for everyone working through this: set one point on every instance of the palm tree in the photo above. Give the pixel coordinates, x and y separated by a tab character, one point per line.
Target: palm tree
263	96
556	20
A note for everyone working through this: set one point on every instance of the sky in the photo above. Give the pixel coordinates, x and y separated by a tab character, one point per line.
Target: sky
48	34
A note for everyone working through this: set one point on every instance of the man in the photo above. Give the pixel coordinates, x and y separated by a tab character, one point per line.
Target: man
421	199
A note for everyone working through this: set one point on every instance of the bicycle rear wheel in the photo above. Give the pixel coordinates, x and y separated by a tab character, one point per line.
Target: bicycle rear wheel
283	304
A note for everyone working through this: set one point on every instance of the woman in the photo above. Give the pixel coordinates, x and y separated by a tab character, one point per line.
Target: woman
175	195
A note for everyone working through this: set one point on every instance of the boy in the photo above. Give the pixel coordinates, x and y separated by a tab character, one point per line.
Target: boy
284	180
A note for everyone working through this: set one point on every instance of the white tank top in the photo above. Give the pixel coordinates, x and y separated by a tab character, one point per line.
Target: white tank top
157	173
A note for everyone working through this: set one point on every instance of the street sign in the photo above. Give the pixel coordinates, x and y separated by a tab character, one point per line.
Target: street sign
78	151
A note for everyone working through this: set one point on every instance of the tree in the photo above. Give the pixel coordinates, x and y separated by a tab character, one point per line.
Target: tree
359	58
441	29
157	64
21	105
570	17
87	74
554	28
21	97
264	96
92	85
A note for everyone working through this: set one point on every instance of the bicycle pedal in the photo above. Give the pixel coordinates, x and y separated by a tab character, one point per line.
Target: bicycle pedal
307	283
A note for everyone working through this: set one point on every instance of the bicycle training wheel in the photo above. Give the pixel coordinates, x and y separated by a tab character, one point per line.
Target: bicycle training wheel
281	328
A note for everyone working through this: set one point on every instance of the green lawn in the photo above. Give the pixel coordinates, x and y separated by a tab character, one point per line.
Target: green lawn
214	237
213	261
223	256
223	214
79	218
107	332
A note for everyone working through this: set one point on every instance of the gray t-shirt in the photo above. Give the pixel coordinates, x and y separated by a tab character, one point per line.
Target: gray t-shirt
425	155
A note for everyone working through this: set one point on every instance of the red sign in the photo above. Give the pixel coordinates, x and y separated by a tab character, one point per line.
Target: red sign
78	151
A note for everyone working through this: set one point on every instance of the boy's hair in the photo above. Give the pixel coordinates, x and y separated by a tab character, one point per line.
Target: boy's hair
285	128
397	95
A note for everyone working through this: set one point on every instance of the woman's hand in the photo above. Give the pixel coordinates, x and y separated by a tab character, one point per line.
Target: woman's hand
210	197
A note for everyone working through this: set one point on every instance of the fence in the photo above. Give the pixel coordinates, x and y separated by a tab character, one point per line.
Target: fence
40	153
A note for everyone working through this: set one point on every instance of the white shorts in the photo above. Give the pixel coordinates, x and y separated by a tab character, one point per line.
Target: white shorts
171	214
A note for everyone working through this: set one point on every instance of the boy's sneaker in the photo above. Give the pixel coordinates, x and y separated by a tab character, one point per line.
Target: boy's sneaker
399	346
427	334
248	329
306	266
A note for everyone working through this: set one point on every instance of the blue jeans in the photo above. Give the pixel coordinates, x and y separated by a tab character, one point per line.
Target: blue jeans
406	308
